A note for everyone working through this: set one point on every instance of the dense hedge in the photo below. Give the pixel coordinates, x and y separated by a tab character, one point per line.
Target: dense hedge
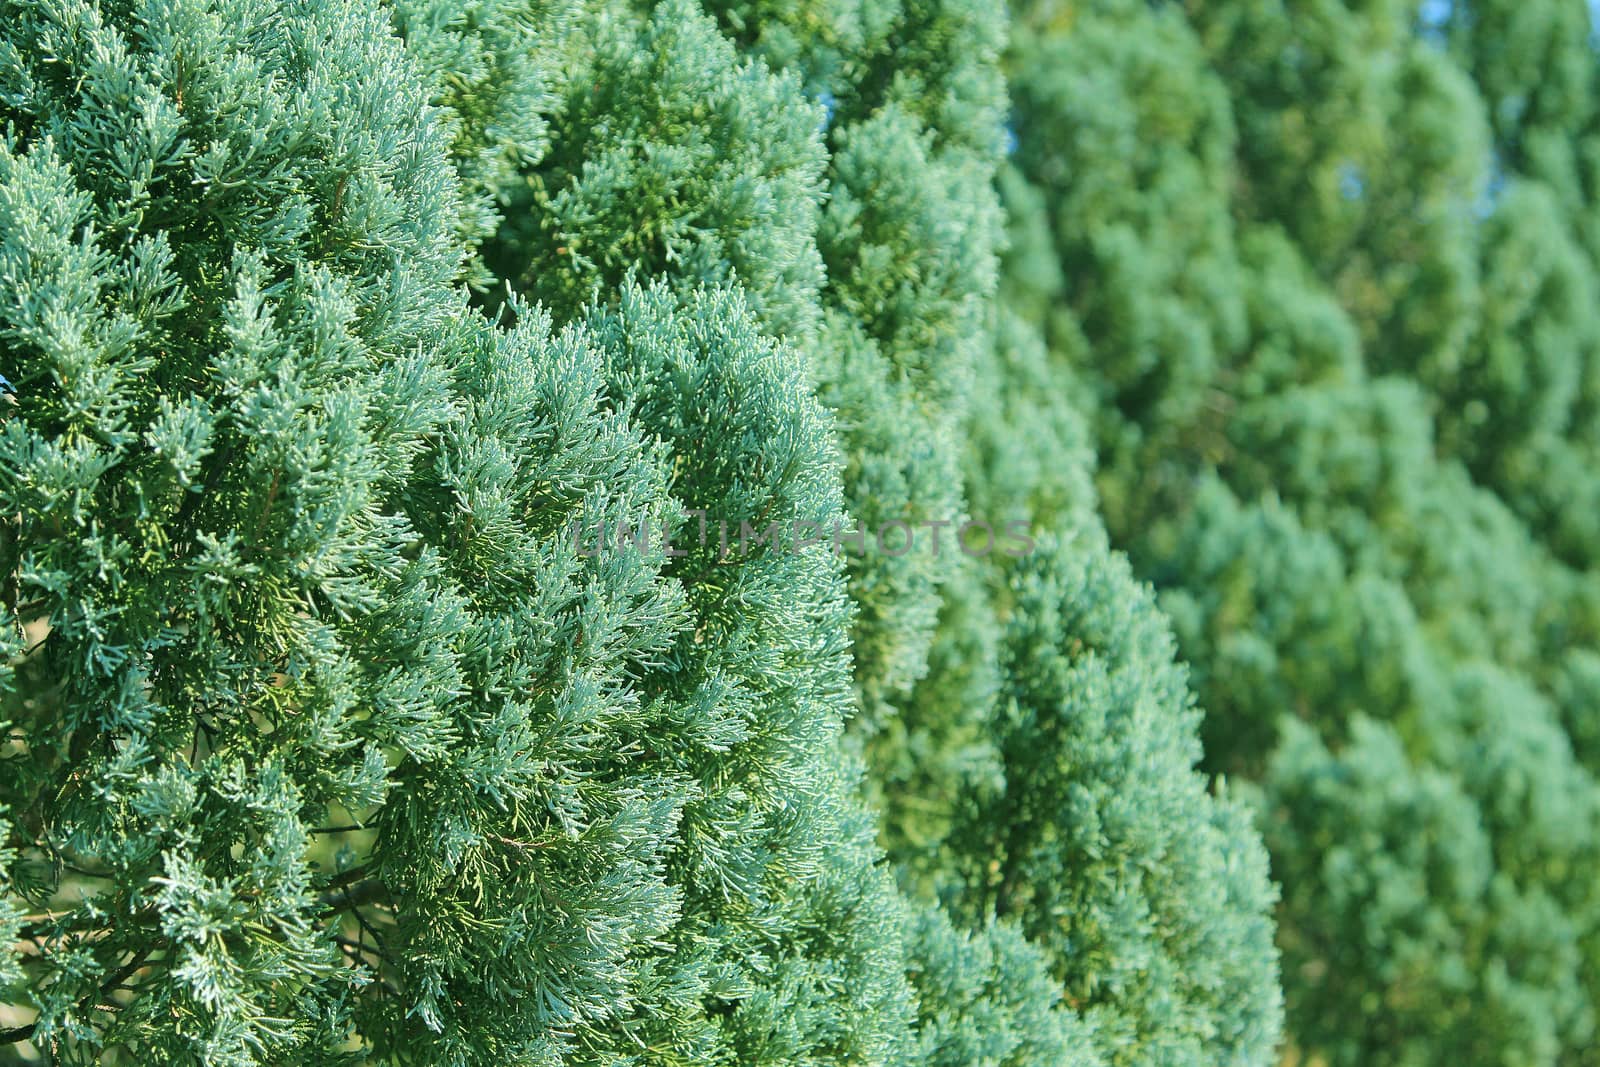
411	410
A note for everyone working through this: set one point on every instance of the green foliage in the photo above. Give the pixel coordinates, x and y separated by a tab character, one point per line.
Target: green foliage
1577	692
906	343
947	766
1143	233
1369	148
1148	895
1128	143
1532	64
909	238
1027	462
670	155
519	852
988	998
495	67
913	102
333	587
894	367
1343	378
229	239
783	918
830	42
377	684
1470	958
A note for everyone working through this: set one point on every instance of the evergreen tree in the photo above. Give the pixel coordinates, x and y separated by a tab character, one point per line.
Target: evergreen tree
669	156
1533	67
1148	895
787	929
945	767
813	970
1421	908
229	239
1363	505
372	754
909	238
519	856
1136	210
988	998
913	102
387	682
495	69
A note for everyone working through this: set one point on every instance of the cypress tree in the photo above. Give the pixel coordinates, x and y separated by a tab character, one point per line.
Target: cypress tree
913	103
988	997
375	755
374	694
947	764
519	857
909	238
1533	68
1148	895
495	70
226	298
1136	210
789	945
669	156
1364	506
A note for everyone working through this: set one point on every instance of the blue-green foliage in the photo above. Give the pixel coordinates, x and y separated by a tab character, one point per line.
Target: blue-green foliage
784	920
520	852
922	365
495	69
669	155
908	237
333	587
229	243
371	690
1103	845
1358	470
988	997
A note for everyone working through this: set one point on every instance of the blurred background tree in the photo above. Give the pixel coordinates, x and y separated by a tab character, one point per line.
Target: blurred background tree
1344	411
